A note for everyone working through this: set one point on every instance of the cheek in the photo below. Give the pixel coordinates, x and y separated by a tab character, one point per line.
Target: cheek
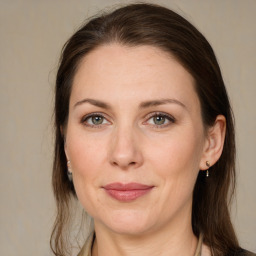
86	155
181	169
82	149
177	163
177	154
86	158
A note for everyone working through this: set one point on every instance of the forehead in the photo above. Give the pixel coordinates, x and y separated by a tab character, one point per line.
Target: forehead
139	73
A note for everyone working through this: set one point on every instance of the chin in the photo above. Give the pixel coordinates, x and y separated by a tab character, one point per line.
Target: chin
129	229
128	223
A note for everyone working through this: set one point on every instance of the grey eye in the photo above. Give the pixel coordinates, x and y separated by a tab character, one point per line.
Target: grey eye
159	120
97	120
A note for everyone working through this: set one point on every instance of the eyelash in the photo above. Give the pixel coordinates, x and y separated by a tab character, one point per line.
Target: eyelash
170	118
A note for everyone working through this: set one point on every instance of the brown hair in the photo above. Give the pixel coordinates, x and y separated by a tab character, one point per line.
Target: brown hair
147	24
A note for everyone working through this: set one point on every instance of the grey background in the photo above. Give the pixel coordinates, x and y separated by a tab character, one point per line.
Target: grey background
32	34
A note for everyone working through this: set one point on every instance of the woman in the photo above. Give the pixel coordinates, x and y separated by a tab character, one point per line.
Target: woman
144	137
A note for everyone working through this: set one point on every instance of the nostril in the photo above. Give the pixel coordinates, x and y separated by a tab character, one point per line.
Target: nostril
116	163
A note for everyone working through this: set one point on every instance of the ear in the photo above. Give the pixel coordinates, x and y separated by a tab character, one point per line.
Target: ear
66	151
214	143
64	138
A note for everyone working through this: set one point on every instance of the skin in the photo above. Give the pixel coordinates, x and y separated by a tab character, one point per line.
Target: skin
130	146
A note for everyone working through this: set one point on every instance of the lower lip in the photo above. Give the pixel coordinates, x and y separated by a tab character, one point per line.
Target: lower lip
127	195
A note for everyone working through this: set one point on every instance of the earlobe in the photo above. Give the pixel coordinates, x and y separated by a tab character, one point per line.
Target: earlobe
66	150
69	170
214	142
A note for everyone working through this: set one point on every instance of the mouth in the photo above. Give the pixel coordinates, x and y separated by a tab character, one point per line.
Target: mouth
127	192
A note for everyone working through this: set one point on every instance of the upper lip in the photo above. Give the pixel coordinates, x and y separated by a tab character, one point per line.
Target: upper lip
126	186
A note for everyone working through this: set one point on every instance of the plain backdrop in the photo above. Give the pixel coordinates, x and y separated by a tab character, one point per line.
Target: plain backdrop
32	34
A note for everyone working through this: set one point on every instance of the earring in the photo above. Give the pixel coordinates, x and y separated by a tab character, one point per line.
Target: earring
69	171
208	165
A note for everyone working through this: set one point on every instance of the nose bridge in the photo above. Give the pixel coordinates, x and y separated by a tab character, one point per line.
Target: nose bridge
125	150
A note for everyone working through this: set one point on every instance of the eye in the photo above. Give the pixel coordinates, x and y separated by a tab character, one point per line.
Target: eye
160	119
95	120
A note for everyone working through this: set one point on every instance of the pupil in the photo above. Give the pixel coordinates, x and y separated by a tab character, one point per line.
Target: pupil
159	120
97	120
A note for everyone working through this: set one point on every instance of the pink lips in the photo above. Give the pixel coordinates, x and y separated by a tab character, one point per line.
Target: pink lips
127	192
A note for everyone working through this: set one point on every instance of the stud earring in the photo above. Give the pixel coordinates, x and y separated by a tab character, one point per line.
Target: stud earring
208	165
69	173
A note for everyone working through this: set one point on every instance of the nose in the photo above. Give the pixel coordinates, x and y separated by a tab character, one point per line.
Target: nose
125	150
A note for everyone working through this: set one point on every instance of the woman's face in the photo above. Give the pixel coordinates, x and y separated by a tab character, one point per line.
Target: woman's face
134	138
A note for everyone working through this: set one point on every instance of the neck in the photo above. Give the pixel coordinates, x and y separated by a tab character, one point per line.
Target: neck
167	241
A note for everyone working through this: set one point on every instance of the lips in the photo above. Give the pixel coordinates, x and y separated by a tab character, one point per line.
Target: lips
127	192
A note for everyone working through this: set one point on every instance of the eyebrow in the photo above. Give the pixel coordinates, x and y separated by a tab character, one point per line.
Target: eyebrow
96	103
145	104
153	103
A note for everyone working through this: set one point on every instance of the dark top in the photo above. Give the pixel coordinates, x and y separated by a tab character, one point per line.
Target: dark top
243	252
